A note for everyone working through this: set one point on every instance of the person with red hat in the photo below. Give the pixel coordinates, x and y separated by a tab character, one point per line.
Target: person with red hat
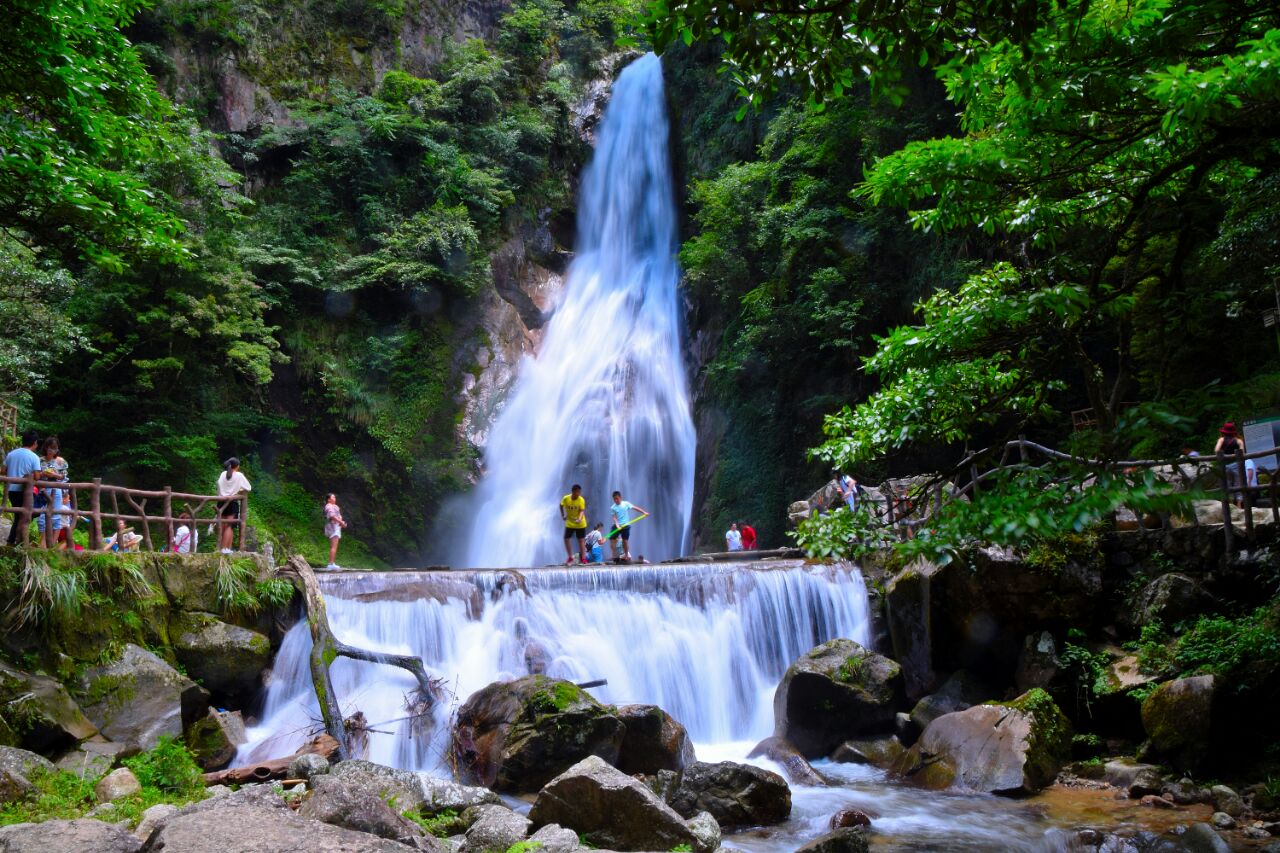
1229	444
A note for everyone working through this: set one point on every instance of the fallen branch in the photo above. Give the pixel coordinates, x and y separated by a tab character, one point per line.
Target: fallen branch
326	648
276	768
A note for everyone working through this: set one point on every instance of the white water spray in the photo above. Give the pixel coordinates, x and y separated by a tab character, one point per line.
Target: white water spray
708	644
605	403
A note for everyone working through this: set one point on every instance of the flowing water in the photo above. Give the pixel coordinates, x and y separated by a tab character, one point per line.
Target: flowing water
605	403
708	643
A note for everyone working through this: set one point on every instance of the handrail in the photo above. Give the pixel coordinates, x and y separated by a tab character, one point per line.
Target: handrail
135	509
969	464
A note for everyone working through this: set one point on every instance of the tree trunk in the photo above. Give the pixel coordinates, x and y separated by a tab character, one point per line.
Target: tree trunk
326	648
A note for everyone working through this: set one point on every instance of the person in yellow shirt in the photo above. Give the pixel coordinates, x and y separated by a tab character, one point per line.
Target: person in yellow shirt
573	509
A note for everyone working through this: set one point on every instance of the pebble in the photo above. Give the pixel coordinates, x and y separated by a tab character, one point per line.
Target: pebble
1222	820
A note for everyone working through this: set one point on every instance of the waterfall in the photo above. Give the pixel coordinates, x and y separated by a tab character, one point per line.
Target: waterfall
706	643
605	403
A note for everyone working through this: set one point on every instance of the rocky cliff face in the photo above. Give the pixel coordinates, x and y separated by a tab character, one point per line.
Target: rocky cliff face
244	72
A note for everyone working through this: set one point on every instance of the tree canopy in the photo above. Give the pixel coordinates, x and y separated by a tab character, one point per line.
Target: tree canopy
1111	155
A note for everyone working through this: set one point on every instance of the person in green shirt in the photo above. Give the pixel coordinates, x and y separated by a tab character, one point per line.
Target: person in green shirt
573	509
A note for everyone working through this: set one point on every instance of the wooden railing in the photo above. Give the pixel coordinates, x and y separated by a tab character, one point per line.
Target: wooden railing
8	418
932	491
105	503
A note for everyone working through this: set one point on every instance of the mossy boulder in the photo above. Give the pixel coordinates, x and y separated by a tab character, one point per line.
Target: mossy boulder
518	735
1010	748
139	697
1178	717
214	739
227	659
836	691
38	713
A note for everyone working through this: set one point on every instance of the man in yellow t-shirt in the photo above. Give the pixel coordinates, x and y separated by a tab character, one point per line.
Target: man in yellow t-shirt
573	509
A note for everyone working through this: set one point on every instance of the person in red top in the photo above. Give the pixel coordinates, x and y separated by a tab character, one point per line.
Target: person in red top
748	537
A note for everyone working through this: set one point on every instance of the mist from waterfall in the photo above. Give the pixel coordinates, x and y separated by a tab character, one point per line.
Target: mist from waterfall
605	402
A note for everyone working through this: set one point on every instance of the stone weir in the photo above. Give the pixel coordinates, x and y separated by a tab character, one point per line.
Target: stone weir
707	642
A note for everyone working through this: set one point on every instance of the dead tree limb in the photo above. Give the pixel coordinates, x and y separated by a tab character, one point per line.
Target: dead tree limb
274	768
326	648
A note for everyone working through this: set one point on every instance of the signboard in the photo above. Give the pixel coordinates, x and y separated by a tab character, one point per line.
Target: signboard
1263	434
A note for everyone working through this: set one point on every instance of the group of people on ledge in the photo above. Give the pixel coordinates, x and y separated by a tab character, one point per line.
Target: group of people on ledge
573	512
41	461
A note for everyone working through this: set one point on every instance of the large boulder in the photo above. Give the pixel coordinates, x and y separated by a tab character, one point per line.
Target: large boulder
334	800
40	709
389	784
213	740
139	698
1178	717
223	827
517	735
735	794
610	810
1014	748
654	741
836	691
68	836
957	693
227	659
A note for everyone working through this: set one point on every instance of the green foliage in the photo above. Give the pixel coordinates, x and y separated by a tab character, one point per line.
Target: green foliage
442	824
1243	649
798	278
167	773
35	331
1227	646
274	592
167	767
524	847
82	130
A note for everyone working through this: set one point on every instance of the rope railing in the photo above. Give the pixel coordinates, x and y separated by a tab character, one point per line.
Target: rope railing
105	502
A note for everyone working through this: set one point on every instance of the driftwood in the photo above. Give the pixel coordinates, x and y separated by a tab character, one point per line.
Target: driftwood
326	648
276	768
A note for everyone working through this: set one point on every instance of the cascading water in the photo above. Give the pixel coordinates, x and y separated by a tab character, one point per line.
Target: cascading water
707	644
605	403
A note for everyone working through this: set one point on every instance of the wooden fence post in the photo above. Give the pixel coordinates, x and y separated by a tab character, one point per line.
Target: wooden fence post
168	517
95	515
244	512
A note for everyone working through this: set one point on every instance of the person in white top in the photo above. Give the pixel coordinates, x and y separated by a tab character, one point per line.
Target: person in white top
733	537
231	484
185	538
333	525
